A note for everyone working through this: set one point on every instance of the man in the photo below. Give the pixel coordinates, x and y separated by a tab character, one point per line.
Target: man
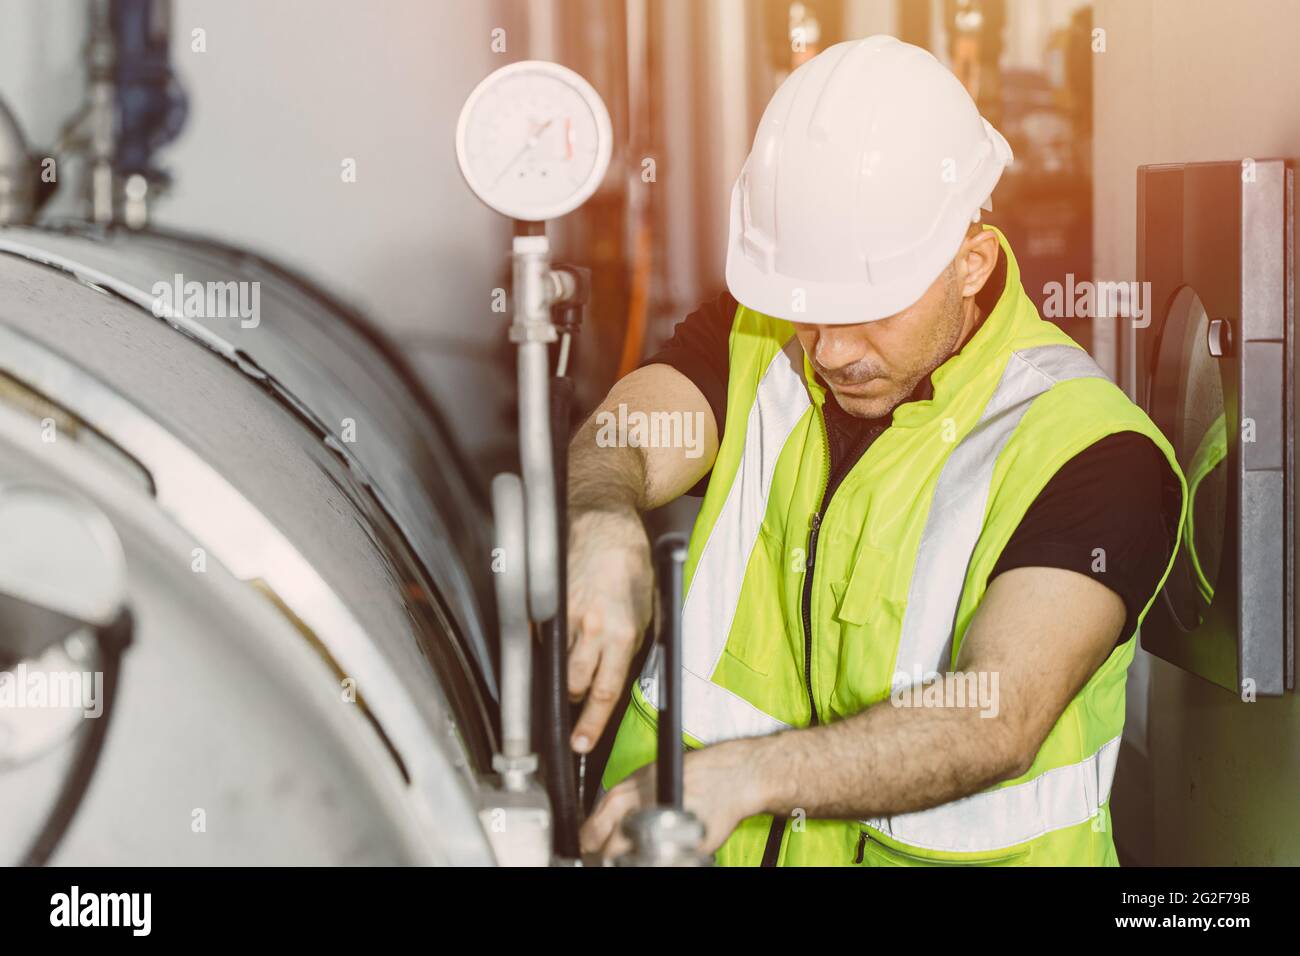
931	526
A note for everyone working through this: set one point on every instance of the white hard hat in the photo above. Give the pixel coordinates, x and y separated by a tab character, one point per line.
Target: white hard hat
868	166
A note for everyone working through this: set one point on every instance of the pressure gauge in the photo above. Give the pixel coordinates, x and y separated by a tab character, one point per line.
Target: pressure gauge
533	140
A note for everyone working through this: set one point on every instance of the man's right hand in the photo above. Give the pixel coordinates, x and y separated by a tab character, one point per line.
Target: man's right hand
611	578
611	584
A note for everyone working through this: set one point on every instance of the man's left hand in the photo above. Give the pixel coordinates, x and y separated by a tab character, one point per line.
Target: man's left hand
722	785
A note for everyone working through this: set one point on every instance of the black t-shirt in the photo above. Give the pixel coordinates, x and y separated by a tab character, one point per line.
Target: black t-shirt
1119	494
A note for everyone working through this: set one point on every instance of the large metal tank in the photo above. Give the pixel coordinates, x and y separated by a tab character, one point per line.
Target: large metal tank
306	553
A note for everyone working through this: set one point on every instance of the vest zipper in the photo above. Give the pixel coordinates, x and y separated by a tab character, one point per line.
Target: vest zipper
831	482
776	834
829	487
805	599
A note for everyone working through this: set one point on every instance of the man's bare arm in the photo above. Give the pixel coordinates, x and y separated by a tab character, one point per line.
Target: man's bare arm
610	576
642	478
1043	631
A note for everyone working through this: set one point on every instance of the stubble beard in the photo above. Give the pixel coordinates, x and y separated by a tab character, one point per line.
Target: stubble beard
938	350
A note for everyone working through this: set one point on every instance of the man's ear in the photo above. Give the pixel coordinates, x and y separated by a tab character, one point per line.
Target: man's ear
976	260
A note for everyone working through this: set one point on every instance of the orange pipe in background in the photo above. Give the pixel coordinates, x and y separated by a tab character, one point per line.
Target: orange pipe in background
634	338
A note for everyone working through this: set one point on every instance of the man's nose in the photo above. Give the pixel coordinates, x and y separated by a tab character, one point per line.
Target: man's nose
837	350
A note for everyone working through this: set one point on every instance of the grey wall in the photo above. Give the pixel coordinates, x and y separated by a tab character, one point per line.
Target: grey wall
1205	779
284	92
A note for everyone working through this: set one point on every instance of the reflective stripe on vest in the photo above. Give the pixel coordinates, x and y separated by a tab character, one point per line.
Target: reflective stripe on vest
996	819
989	820
711	713
956	516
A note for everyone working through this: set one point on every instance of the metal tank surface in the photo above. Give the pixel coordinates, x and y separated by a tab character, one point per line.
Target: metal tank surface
309	679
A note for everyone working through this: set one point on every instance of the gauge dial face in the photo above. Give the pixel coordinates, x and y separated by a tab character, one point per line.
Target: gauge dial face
533	140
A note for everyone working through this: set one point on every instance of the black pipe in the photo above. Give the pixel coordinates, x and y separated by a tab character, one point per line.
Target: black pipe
557	757
556	717
112	641
670	566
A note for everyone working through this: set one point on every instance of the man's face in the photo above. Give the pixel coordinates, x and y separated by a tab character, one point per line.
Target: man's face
872	367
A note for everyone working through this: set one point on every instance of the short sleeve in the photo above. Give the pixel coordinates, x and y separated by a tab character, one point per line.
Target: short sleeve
1116	496
699	350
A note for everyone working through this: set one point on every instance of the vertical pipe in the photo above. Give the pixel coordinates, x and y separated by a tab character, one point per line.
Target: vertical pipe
677	212
561	782
533	332
731	72
512	612
539	478
670	564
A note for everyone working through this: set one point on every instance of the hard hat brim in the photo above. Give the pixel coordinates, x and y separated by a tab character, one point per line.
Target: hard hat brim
829	303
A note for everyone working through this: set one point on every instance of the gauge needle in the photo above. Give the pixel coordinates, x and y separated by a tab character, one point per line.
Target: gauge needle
534	135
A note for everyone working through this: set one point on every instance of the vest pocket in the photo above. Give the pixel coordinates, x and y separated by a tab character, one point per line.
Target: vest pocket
758	640
748	658
872	851
861	598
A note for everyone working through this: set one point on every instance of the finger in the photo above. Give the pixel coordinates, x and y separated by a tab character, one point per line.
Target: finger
585	621
595	831
606	690
617	845
583	660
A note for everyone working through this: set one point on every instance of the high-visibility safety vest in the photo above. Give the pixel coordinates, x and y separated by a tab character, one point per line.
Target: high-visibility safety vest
901	559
